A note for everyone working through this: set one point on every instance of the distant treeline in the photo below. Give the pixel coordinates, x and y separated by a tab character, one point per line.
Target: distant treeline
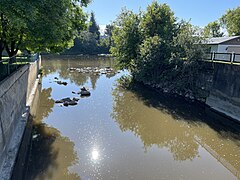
90	42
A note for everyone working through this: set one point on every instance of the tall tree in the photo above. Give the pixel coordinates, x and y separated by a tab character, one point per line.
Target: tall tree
158	20
126	37
213	29
26	25
231	21
157	28
93	27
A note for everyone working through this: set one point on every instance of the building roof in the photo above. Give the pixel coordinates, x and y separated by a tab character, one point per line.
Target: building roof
219	40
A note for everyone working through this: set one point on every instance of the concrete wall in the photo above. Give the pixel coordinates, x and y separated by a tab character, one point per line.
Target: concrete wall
14	92
225	91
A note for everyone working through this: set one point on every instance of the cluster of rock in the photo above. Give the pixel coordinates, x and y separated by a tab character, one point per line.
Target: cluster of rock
60	82
74	101
68	101
95	70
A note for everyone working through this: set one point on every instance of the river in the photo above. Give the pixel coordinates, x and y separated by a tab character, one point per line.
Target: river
125	134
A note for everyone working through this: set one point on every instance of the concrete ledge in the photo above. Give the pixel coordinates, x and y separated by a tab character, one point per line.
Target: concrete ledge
223	106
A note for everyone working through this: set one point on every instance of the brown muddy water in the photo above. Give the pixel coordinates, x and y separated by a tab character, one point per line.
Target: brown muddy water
125	134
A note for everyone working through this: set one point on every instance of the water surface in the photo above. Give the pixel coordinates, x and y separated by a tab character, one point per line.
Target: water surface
125	134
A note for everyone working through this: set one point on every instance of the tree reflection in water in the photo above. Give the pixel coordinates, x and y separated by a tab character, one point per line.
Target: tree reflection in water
167	121
153	127
45	105
54	64
50	152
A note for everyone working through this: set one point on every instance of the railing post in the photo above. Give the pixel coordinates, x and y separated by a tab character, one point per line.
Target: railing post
232	58
213	55
8	67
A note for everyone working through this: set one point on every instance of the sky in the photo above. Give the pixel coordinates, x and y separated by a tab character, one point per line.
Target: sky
201	12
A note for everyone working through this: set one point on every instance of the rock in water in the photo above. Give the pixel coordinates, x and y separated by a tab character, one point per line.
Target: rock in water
62	83
83	89
58	101
66	99
76	99
72	103
85	93
65	103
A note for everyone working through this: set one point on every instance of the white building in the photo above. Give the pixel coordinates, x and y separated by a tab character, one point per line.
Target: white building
224	44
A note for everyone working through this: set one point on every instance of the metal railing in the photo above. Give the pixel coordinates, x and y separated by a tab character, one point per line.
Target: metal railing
9	65
232	58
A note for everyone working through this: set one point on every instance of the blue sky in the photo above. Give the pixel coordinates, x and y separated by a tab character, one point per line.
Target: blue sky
201	12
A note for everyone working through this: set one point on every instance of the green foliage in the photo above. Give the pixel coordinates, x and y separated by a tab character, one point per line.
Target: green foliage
156	49
87	44
187	42
212	30
126	37
93	27
108	32
40	25
231	21
153	59
104	45
158	20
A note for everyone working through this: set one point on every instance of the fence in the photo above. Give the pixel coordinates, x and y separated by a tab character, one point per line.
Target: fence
232	58
9	65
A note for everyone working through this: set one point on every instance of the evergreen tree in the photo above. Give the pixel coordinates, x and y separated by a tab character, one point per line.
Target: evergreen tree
93	27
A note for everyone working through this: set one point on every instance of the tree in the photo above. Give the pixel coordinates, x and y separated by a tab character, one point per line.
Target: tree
153	59
213	29
26	25
108	32
85	43
187	42
127	38
231	21
93	27
156	49
158	20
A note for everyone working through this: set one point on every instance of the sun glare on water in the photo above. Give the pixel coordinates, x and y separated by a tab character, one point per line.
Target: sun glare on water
95	155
